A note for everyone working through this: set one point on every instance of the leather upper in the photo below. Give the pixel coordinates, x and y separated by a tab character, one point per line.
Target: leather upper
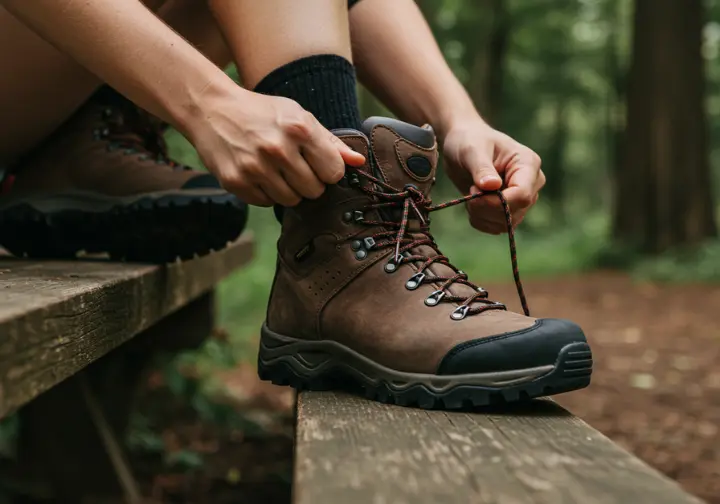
322	290
90	152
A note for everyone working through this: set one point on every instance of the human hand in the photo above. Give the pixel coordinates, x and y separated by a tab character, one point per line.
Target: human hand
480	158
268	149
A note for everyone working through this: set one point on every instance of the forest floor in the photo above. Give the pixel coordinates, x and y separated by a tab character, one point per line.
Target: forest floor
655	390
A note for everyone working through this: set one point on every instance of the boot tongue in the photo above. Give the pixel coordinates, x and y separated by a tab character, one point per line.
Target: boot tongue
407	154
403	153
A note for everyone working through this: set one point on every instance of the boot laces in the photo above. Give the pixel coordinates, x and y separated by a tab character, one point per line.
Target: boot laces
136	132
415	204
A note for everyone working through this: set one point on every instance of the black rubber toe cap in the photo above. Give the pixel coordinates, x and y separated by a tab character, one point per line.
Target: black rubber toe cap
535	346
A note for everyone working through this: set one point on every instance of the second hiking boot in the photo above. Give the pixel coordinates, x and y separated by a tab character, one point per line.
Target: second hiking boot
103	183
363	296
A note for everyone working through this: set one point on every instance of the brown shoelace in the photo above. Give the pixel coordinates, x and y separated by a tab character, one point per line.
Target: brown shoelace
416	204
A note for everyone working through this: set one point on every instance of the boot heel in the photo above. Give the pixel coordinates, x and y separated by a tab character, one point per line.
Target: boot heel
288	361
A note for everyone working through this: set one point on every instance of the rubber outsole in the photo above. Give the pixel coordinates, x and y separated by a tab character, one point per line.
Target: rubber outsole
151	228
326	365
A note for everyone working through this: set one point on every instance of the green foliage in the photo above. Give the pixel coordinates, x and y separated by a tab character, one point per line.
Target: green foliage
9	427
142	438
697	264
184	460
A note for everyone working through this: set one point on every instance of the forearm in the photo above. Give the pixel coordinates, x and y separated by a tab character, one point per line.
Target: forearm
397	58
128	47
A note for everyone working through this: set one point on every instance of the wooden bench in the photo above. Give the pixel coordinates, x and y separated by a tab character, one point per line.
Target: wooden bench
75	338
353	451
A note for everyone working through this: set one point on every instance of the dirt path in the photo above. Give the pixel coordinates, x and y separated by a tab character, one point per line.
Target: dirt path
656	384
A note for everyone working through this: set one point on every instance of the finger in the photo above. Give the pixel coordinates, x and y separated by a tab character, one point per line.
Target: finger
278	189
250	194
323	154
494	215
525	174
486	204
540	181
301	178
253	196
519	198
258	197
478	162
351	157
518	217
483	222
487	227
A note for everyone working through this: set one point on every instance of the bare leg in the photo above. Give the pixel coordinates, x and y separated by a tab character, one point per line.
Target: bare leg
266	35
40	87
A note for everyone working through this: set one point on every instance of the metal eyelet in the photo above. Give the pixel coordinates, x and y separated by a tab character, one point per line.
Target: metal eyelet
434	298
369	242
347	217
361	254
391	267
358	216
107	113
356	245
354	180
460	312
415	281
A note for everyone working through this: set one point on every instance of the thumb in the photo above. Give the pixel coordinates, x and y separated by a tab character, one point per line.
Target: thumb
349	156
480	166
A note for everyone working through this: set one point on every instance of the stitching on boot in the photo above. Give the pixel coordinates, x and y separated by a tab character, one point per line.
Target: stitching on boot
404	164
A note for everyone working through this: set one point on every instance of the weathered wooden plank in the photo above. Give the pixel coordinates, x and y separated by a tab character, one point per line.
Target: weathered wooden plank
56	317
60	443
352	451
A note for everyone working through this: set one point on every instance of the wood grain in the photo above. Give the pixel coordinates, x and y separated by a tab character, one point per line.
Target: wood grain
60	443
56	317
351	451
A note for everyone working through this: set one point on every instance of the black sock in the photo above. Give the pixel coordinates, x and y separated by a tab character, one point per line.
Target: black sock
324	85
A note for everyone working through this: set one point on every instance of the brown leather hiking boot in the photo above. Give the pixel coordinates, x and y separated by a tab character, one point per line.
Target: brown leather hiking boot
103	183
362	295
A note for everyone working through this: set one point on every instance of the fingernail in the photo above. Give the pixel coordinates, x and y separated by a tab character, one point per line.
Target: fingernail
488	179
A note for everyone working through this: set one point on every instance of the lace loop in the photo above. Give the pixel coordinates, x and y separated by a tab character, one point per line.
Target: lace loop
417	205
136	132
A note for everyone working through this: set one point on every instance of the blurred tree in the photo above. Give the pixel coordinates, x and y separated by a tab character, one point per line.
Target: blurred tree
663	193
616	100
486	53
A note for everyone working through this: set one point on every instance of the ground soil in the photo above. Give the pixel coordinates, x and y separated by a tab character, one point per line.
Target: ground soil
656	383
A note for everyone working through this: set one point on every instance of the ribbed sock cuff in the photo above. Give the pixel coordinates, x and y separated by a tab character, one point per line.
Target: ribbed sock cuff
324	85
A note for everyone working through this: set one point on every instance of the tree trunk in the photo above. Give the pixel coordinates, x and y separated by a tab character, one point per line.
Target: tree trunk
488	66
663	196
616	96
554	160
